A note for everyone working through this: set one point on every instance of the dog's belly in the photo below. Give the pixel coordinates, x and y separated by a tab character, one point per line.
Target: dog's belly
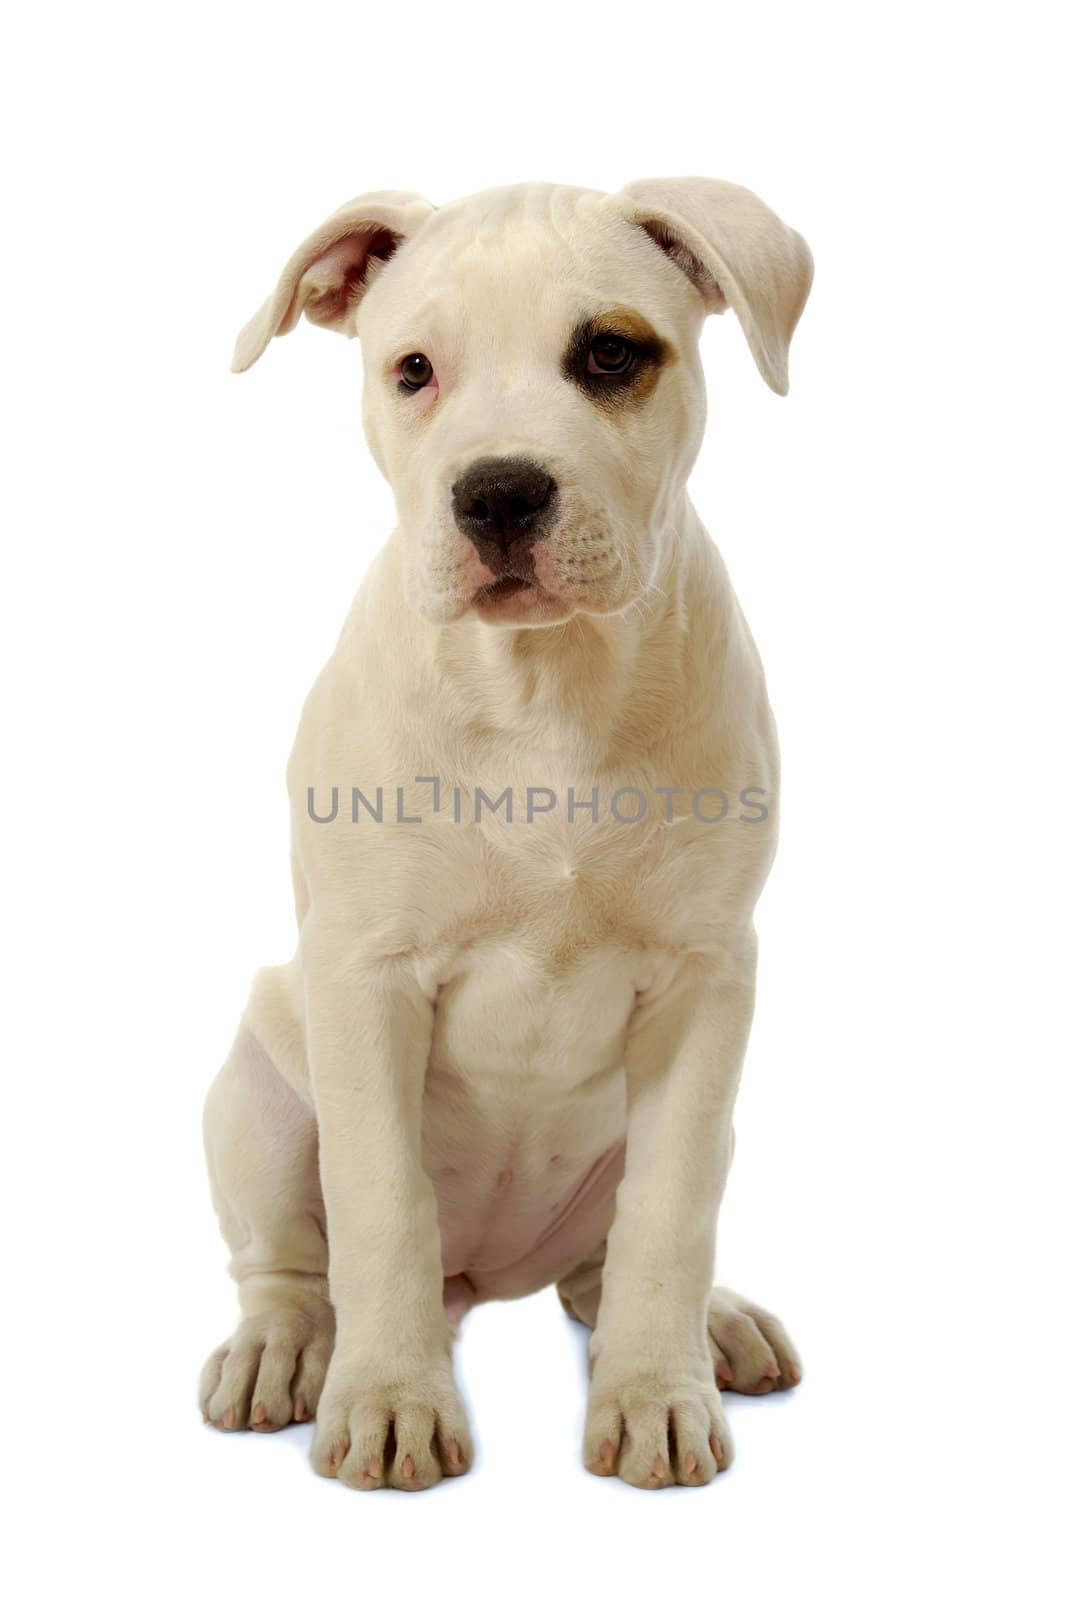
524	1115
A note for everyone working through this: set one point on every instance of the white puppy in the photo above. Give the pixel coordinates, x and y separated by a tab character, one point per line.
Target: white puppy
533	798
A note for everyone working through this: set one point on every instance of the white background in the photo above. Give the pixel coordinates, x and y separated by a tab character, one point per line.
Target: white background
180	548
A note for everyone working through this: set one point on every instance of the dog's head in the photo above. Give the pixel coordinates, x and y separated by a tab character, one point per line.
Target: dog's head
533	389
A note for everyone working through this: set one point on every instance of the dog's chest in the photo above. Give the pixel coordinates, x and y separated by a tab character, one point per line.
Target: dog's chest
525	1101
563	935
562	887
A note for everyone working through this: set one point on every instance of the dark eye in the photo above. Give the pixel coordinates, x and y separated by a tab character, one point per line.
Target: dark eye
415	372
610	354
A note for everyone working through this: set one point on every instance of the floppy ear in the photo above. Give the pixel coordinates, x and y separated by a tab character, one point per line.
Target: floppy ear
328	275
736	253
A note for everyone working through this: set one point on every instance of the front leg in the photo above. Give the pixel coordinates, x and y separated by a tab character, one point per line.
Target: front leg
390	1412
655	1416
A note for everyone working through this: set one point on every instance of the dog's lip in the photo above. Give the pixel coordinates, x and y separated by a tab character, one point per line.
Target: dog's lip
507	584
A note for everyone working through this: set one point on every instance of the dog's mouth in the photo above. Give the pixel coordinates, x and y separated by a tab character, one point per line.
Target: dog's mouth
503	588
516	594
514	598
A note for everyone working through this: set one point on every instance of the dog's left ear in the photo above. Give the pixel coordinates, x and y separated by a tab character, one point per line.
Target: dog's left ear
735	252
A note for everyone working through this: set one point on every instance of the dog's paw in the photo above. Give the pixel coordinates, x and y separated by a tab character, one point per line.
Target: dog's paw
654	1429
271	1372
751	1350
401	1433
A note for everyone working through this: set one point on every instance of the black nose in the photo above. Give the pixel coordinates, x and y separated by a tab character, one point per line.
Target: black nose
501	501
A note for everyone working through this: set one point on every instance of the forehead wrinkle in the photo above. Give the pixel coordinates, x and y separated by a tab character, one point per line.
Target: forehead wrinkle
509	248
490	278
510	281
438	319
506	306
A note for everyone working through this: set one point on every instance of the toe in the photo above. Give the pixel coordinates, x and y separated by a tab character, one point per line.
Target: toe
453	1446
310	1376
694	1462
209	1380
271	1405
415	1463
603	1435
724	1376
230	1405
645	1455
785	1354
454	1461
370	1448
722	1447
330	1444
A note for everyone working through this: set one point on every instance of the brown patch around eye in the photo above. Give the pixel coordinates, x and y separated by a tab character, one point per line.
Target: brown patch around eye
617	392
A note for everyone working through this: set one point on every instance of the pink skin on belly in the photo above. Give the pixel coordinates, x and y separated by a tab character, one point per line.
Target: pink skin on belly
519	1238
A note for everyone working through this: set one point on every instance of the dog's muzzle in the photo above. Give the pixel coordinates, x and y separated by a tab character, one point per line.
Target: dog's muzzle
504	505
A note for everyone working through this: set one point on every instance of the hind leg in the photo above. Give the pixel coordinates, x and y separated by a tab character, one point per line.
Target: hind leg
752	1351
579	1291
262	1151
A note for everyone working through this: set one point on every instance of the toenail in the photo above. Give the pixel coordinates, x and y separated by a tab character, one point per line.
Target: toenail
690	1463
373	1469
260	1413
724	1376
454	1453
300	1409
717	1451
607	1453
408	1468
337	1454
229	1418
794	1372
659	1468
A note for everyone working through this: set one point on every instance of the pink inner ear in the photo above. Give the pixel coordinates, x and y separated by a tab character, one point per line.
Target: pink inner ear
683	257
333	283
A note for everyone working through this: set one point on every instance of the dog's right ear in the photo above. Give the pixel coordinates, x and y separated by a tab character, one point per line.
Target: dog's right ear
328	276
